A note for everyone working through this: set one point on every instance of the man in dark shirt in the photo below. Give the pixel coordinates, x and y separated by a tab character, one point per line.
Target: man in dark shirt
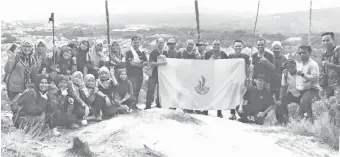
157	58
238	46
330	65
263	62
135	61
188	53
200	50
279	60
256	101
216	53
172	53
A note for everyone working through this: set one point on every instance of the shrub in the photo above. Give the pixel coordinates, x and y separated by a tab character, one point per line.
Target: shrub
326	121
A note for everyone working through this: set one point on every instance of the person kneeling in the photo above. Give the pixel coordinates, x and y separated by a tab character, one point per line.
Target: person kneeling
256	102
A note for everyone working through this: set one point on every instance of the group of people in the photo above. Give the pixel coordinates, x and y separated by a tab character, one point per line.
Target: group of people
80	82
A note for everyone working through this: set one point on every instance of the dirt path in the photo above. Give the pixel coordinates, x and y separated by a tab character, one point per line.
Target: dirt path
171	133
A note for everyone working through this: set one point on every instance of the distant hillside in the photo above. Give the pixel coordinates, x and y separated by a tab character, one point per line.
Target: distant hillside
286	23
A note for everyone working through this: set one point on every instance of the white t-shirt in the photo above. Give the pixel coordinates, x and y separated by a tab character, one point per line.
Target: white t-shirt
291	82
310	68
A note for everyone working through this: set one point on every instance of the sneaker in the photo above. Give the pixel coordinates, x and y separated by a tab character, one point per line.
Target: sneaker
233	117
55	132
147	107
220	115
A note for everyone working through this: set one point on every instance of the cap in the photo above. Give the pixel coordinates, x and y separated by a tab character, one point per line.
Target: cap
276	43
262	77
200	43
171	41
135	38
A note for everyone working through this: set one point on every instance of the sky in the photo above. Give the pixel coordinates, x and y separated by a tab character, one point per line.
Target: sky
41	9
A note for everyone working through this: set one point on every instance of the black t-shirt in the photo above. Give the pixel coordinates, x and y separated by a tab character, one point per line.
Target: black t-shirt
262	68
134	70
186	55
259	100
209	54
153	58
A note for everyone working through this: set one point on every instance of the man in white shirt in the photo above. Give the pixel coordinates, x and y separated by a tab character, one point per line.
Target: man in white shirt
300	85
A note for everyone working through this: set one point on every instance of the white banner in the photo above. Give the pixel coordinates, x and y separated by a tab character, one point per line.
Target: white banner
202	84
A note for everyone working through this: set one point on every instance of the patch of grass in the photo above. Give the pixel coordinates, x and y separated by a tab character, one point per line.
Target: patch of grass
182	118
326	122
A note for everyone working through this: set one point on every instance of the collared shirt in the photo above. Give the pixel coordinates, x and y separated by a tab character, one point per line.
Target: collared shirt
153	58
334	58
310	68
262	68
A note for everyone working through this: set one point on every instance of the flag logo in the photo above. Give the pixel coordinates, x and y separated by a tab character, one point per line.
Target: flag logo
201	88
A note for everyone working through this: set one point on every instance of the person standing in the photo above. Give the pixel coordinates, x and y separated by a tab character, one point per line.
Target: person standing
135	60
172	52
238	46
155	60
216	53
307	81
279	60
263	62
330	70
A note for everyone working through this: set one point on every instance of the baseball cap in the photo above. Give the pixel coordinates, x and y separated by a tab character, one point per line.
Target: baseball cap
262	77
200	43
278	43
171	41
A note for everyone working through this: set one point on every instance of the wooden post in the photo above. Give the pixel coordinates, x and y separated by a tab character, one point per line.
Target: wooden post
197	21
107	22
310	24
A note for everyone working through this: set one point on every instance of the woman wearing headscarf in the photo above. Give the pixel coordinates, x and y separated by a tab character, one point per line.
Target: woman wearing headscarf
83	50
40	55
115	54
29	109
88	93
124	92
67	61
60	105
81	110
18	71
95	58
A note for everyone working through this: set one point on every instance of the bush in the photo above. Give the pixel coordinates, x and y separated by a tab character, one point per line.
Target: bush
326	123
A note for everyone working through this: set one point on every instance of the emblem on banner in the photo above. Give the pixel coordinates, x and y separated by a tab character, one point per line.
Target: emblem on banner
201	88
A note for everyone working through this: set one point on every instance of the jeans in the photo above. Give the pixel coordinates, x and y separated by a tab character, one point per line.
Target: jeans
137	81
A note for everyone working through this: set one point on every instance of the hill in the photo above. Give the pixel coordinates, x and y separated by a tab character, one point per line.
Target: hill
167	133
286	23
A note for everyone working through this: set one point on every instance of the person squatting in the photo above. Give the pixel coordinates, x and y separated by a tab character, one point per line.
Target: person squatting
80	82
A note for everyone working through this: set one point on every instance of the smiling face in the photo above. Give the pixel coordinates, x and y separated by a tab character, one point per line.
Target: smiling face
216	45
43	86
123	75
62	85
104	75
67	54
91	82
26	49
160	43
238	47
261	45
304	55
136	44
77	79
260	84
41	48
328	42
190	45
277	50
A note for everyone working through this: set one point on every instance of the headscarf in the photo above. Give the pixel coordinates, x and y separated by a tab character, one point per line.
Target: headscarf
115	54
38	79
65	64
76	74
104	83
27	61
96	57
37	84
88	90
37	54
85	42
